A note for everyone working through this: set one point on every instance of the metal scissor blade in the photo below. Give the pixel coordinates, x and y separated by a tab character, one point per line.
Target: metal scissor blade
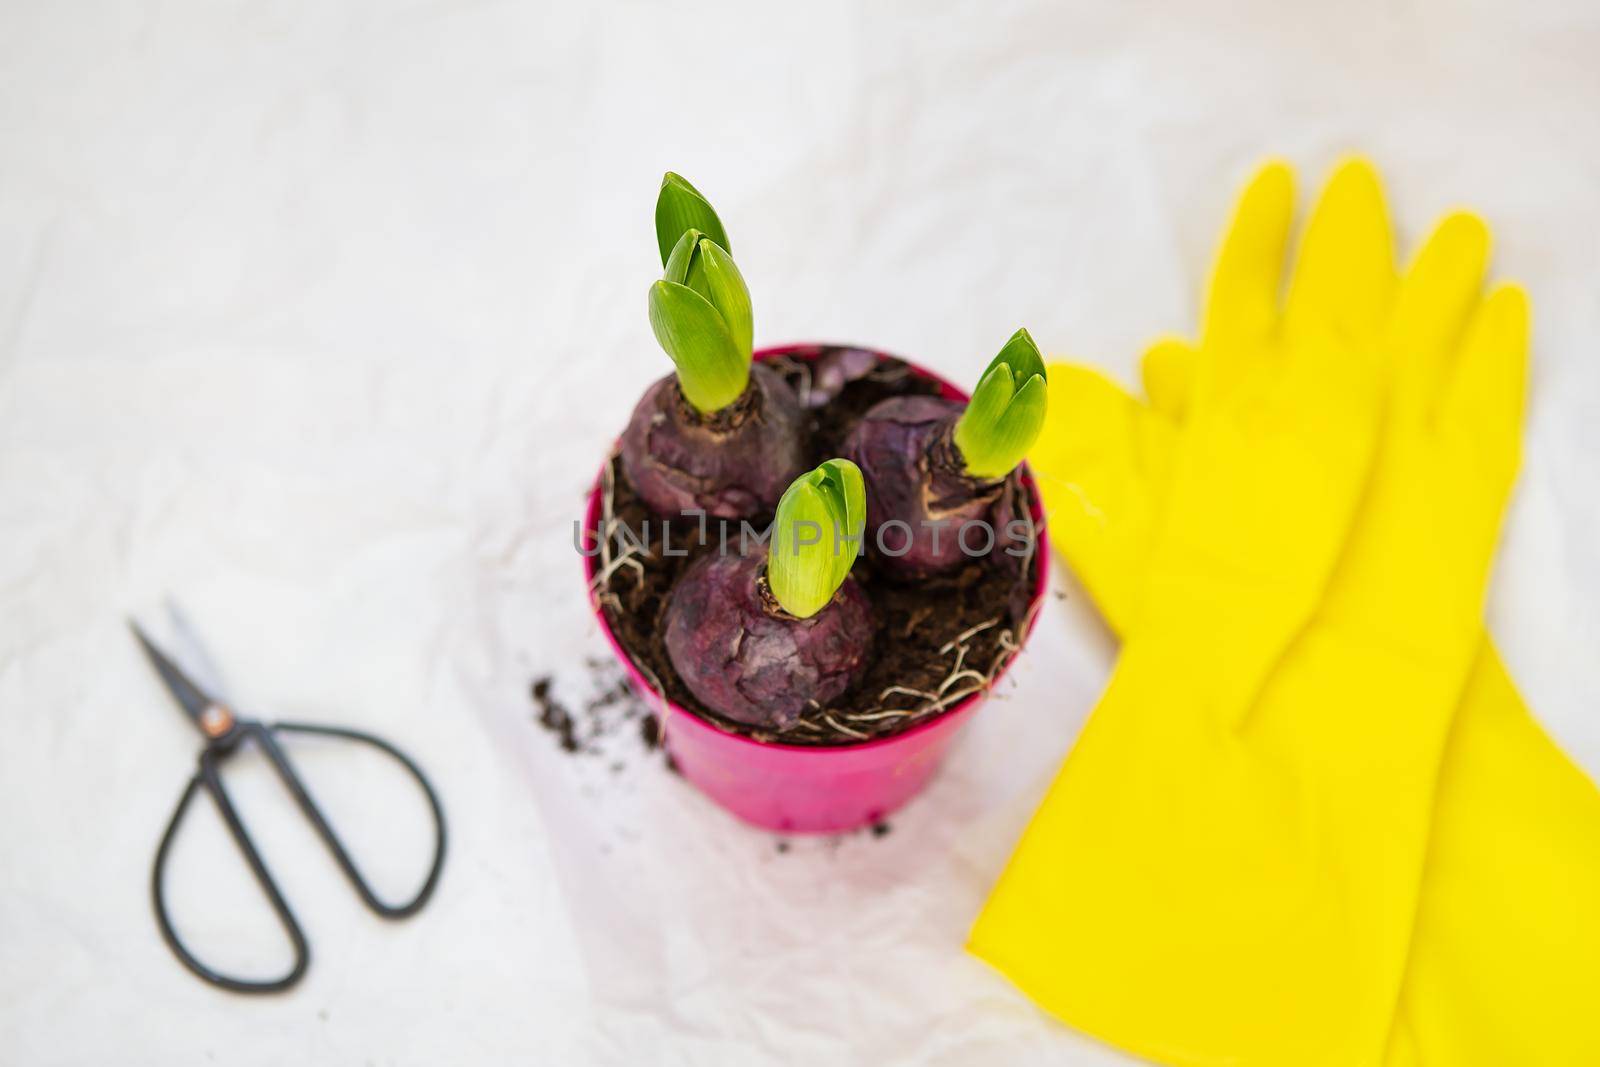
186	648
190	696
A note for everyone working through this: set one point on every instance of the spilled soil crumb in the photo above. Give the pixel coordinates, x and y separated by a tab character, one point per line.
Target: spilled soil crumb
611	709
554	716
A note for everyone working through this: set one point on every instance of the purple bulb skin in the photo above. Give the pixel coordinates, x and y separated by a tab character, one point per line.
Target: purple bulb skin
745	658
733	464
914	476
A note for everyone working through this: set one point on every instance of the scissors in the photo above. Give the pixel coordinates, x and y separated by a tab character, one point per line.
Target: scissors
225	734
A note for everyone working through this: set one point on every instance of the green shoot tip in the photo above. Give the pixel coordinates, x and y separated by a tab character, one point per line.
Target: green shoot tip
680	207
816	537
700	313
1007	410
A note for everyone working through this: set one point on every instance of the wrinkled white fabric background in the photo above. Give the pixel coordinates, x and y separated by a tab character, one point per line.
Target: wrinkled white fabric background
319	317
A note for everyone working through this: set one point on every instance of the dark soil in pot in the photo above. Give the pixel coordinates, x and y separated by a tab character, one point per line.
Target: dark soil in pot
938	640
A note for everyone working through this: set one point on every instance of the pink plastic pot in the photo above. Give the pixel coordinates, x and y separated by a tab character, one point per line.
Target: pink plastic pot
799	788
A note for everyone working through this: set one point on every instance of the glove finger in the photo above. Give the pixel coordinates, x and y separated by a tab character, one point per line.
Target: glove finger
1242	306
1167	370
1487	391
1101	464
1434	304
1344	277
1168	375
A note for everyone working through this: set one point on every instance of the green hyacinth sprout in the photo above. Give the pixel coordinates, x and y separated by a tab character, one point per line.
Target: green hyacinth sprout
700	309
816	537
1006	412
680	208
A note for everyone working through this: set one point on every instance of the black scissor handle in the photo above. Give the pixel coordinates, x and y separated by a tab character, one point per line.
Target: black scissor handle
296	788
208	778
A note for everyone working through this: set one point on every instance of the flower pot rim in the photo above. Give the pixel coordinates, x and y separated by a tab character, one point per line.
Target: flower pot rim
809	351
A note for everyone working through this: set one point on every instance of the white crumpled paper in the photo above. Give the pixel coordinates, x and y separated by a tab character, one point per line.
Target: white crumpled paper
321	317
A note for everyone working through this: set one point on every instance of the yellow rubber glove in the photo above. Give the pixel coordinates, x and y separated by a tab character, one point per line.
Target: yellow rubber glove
1225	870
1507	942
